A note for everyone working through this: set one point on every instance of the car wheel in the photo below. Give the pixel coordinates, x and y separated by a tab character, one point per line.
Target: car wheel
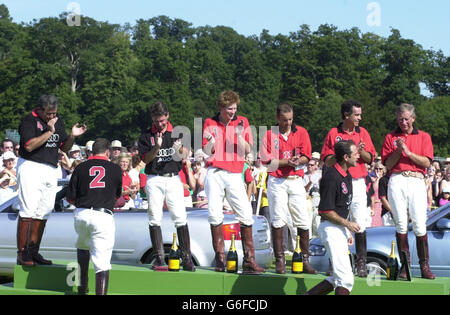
150	256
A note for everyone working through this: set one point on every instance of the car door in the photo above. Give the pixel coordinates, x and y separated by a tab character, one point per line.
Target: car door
438	245
8	242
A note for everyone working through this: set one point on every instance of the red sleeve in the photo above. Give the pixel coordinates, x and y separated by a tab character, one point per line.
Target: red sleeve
207	129
388	148
142	180
182	175
328	146
265	152
305	146
248	175
247	131
368	144
427	146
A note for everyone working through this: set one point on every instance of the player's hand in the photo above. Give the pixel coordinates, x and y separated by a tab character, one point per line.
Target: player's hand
78	130
361	146
159	139
400	143
240	128
177	145
350	240
51	124
294	161
353	226
210	138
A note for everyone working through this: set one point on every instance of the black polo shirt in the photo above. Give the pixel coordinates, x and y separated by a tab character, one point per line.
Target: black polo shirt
336	191
164	161
96	183
31	127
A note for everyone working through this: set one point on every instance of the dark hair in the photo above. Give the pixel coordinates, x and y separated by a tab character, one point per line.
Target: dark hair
342	148
135	160
48	101
196	163
133	146
284	108
7	140
347	107
158	109
101	145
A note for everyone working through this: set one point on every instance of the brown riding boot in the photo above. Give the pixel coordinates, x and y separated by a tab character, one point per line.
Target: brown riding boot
83	257
323	288
185	248
402	245
23	235
422	252
361	254
37	230
249	265
101	282
159	263
304	246
280	260
341	291
218	246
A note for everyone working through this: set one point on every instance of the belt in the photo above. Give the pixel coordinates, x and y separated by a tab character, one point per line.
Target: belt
104	210
166	174
413	174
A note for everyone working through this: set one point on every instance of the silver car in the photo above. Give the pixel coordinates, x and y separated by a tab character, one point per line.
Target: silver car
379	241
132	244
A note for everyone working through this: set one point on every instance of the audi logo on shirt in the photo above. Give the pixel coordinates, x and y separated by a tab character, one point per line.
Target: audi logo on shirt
52	142
165	155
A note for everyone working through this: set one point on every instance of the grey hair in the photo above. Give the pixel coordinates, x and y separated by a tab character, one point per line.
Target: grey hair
404	107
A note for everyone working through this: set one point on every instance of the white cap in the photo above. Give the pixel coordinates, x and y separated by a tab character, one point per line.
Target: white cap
199	154
89	145
116	144
75	148
446	190
315	155
8	155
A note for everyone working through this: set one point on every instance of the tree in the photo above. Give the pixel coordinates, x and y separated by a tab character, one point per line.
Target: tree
437	73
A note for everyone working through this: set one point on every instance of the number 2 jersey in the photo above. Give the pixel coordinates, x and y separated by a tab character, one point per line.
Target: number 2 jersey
96	183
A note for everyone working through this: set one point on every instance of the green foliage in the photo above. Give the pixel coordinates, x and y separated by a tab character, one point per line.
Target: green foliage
107	75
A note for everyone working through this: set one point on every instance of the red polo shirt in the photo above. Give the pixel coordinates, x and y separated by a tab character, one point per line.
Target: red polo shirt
126	183
337	134
276	146
226	155
184	177
418	142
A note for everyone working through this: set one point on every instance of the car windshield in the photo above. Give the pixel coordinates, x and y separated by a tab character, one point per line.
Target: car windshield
434	215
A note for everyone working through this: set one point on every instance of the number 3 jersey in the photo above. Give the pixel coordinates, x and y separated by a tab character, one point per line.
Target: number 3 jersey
96	183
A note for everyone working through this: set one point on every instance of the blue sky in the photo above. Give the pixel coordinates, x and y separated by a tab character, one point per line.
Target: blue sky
426	22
